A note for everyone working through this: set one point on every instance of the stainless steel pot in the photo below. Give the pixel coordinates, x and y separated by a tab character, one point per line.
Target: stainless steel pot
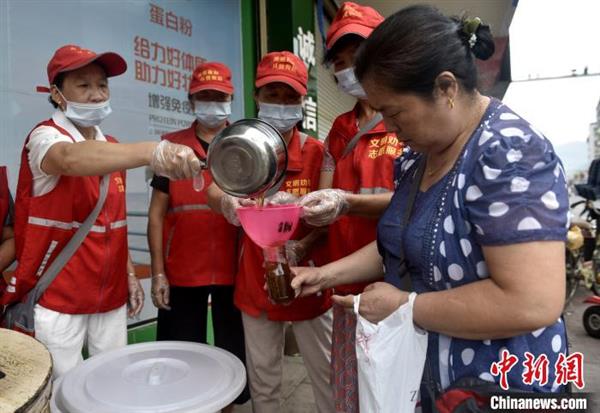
248	158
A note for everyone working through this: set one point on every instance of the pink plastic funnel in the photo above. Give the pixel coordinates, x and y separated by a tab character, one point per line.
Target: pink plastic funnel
270	226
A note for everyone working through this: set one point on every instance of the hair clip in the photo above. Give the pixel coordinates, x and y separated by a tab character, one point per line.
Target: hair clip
470	27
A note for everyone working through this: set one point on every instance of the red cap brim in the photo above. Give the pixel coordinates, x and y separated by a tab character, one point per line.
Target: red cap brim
354	28
293	83
112	63
220	88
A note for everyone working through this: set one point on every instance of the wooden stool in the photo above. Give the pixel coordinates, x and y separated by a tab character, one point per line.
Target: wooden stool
27	368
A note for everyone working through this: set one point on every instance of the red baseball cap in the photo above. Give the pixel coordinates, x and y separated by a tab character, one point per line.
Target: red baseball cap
71	57
353	18
211	76
284	67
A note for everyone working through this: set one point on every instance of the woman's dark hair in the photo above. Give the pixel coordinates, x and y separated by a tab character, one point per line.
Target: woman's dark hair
343	42
413	46
58	81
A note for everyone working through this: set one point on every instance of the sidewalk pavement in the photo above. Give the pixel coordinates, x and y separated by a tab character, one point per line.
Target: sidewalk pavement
297	391
580	341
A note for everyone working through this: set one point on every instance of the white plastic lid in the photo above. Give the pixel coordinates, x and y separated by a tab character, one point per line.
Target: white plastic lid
158	377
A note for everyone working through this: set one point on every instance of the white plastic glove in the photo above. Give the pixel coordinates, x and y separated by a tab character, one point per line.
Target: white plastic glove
198	182
160	291
322	207
229	206
281	198
295	252
136	295
175	161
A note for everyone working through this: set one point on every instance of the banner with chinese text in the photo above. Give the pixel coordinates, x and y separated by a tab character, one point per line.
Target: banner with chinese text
162	42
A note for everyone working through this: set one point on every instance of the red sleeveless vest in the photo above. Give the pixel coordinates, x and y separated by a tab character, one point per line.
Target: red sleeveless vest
95	278
200	246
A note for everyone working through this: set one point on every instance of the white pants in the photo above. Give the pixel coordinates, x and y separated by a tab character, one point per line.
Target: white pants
65	334
264	359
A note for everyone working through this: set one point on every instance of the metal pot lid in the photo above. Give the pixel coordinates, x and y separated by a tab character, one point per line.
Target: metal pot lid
158	377
247	157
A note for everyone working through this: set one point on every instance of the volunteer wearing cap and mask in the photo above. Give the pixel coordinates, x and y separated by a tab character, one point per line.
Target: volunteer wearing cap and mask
188	265
361	178
281	79
62	163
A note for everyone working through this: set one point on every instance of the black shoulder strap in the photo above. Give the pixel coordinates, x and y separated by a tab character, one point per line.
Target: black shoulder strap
412	195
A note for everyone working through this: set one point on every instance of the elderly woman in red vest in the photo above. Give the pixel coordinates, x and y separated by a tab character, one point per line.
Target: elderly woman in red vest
188	265
62	162
7	236
281	84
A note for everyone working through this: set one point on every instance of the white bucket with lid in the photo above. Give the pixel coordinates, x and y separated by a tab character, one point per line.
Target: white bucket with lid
157	377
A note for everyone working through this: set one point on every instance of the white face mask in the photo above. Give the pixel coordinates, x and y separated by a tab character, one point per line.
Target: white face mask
87	114
348	83
281	117
212	114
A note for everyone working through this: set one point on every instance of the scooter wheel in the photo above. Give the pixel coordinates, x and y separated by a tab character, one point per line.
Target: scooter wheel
591	321
596	288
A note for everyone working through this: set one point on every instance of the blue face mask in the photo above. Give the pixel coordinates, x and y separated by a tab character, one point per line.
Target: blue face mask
87	114
348	83
212	114
281	117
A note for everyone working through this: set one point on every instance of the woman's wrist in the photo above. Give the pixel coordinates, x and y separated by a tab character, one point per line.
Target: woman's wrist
329	276
149	148
350	201
157	268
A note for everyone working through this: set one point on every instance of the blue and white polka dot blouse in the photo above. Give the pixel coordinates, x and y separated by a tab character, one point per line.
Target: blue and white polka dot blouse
507	187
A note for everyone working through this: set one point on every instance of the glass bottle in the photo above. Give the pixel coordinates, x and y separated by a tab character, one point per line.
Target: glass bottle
278	274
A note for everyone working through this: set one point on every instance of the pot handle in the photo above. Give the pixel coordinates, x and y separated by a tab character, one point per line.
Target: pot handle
198	180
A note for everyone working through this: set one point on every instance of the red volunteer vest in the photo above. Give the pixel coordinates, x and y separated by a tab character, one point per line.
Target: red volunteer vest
302	177
4	206
4	195
200	246
368	169
95	278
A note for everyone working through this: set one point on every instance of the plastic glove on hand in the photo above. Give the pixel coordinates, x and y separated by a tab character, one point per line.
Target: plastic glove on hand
322	207
175	161
229	206
198	182
281	198
160	291
136	295
295	252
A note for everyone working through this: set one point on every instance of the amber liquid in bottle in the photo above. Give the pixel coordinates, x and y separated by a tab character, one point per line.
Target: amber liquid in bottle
278	274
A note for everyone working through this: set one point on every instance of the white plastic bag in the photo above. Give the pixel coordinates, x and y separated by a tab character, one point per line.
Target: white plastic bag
391	357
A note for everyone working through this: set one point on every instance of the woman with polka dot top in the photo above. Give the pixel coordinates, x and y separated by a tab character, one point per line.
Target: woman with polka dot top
484	245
